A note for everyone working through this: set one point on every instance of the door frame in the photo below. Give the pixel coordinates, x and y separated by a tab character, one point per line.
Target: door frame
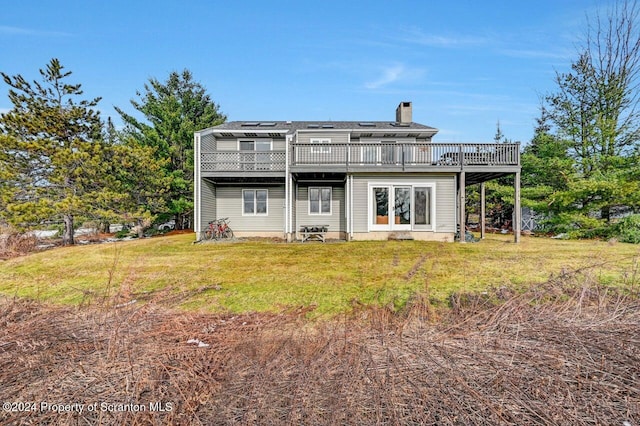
391	225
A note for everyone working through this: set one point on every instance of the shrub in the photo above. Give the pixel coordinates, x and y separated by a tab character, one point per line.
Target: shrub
123	233
628	229
150	232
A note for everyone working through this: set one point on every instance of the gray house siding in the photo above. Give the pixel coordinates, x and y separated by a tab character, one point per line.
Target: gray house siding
279	145
208	203
360	202
336	137
445	208
336	220
228	144
445	203
208	143
381	138
230	204
294	206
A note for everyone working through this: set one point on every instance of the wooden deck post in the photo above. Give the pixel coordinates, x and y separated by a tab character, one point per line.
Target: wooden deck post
461	207
517	209
483	212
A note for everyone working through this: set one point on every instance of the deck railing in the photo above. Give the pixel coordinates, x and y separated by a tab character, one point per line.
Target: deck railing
406	154
353	155
242	161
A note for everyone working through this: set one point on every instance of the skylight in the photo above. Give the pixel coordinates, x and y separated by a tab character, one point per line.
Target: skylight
250	123
367	124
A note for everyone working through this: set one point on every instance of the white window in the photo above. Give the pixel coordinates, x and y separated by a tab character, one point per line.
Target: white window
422	200
254	154
324	149
319	200
258	145
254	202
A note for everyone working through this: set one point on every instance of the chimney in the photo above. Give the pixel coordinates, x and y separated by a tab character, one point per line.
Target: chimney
404	113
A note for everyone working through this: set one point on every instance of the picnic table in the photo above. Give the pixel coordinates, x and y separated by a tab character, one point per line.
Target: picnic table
316	232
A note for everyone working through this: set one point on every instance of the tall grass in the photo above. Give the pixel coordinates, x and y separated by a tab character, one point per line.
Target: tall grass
562	352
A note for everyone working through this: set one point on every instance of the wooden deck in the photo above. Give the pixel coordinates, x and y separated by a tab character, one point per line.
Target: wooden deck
366	157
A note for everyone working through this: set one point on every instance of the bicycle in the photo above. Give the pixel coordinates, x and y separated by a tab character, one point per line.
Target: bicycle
218	229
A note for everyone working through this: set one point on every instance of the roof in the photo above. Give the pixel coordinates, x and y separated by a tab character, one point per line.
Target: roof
287	127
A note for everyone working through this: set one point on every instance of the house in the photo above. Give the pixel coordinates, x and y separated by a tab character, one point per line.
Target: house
358	180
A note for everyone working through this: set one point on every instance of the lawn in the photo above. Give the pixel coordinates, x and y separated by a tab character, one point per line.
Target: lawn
330	278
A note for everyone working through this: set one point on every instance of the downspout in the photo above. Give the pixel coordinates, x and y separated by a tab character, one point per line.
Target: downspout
517	209
293	188
347	206
348	194
287	194
461	208
197	193
351	207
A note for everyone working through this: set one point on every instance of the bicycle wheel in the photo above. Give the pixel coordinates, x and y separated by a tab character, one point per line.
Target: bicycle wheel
208	234
228	233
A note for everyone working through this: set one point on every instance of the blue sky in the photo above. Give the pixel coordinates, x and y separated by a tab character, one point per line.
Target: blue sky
464	64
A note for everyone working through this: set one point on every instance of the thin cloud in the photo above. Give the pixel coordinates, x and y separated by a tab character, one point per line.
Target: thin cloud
389	76
417	36
542	53
393	74
7	30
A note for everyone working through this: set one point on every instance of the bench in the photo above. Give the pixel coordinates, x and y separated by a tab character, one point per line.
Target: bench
317	232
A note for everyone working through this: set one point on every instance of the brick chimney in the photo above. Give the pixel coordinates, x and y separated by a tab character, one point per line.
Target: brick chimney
404	113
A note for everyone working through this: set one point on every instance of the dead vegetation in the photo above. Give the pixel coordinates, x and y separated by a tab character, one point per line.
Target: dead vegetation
14	244
567	352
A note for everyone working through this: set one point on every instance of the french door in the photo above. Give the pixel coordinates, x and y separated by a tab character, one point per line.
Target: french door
401	207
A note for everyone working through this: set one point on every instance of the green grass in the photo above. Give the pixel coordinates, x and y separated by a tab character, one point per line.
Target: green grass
332	278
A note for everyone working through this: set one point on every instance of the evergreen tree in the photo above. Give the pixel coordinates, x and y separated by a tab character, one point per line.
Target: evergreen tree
52	150
500	192
595	126
547	169
173	110
57	163
138	184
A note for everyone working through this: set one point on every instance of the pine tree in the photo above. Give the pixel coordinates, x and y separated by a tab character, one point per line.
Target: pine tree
500	195
53	146
173	110
595	120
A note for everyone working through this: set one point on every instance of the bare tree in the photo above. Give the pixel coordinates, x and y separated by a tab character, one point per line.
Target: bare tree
596	107
596	110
